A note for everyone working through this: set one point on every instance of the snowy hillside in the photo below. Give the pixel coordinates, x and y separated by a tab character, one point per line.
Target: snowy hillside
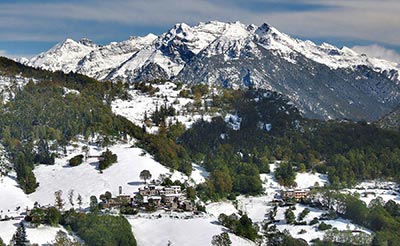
10	84
259	207
84	180
42	235
141	104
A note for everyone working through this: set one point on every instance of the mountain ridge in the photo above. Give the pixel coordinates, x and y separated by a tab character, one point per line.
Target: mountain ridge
238	55
197	38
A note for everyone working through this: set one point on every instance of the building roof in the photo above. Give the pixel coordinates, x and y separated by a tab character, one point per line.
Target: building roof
154	197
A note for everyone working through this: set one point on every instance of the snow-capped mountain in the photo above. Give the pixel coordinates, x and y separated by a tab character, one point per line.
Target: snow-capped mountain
64	56
174	49
99	62
322	80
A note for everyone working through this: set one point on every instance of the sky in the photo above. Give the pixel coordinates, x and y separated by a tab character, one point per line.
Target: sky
28	27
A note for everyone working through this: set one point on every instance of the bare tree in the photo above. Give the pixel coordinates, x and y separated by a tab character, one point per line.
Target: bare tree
85	149
71	197
59	202
79	199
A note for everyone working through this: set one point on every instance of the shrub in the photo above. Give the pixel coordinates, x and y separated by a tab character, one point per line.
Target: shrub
323	226
128	210
107	158
289	216
314	221
76	160
303	214
302	231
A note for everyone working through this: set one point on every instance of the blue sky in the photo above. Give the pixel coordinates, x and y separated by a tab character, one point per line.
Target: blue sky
29	27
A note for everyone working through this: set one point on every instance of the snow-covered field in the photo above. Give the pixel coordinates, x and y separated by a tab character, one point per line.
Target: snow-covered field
199	174
370	190
12	197
86	179
135	109
307	180
42	235
312	232
179	231
218	208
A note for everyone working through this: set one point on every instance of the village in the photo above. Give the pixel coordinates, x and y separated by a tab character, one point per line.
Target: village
154	196
149	198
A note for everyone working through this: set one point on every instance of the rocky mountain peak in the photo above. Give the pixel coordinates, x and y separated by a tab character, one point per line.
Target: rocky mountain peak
322	80
87	42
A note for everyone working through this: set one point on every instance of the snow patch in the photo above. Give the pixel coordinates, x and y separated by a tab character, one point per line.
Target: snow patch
233	121
190	231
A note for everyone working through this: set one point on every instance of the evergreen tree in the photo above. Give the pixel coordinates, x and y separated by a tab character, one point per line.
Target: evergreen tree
96	229
20	238
62	239
79	199
107	158
222	181
285	174
221	239
93	205
289	216
53	216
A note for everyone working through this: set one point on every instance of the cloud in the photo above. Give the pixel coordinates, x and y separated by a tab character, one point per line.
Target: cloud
371	20
362	20
14	56
378	52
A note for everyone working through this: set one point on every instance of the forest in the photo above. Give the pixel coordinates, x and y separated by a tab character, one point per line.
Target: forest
347	151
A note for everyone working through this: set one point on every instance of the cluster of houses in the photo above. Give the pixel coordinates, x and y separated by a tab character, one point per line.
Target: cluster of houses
295	194
167	197
156	197
288	197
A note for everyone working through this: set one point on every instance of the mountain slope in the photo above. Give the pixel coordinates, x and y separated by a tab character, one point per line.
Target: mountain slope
99	62
317	90
64	56
322	80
